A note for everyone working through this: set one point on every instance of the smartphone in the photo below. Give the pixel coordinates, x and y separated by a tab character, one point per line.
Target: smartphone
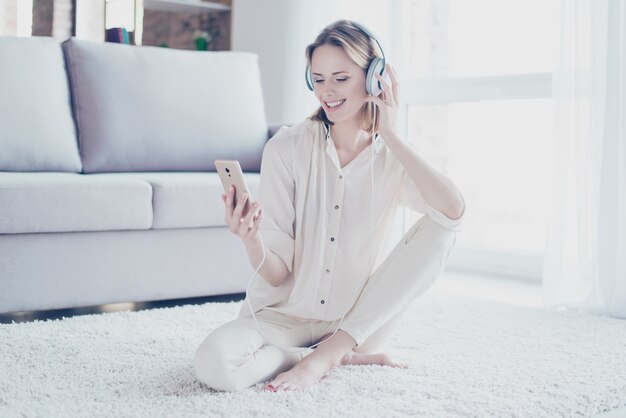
231	175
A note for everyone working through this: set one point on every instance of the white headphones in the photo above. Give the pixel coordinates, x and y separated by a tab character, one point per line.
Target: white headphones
377	66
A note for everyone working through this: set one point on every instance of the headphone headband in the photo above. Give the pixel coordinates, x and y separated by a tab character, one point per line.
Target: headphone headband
370	35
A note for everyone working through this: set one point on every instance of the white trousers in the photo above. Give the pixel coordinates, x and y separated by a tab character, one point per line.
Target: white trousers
236	356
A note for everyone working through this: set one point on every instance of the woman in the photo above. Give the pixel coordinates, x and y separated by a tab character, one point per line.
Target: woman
330	187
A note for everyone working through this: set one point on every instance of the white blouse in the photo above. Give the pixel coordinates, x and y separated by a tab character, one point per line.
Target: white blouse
327	223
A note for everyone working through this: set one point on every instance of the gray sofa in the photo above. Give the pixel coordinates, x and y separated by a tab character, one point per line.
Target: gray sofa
107	184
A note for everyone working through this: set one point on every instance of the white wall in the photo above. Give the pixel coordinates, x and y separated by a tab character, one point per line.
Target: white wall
279	31
90	20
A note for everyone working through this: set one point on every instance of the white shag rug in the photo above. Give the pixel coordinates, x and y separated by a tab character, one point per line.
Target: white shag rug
467	357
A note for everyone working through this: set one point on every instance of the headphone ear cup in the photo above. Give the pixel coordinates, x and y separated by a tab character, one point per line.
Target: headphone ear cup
372	85
308	78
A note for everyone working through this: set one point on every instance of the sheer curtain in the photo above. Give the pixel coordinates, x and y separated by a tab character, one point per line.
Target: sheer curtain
585	260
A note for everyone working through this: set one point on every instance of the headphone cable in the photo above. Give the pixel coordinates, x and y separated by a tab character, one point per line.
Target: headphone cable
290	349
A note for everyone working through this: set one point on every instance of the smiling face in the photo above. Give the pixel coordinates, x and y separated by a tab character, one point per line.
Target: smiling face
339	83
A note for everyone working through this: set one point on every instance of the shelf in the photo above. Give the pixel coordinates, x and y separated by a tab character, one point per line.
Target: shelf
184	6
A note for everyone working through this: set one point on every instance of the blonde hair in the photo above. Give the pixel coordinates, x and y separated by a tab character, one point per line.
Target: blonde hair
361	49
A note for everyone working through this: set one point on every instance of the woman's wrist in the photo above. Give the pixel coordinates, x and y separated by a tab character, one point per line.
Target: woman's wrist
255	242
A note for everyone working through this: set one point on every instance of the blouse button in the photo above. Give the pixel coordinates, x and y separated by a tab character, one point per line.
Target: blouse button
322	301
336	206
332	238
327	271
340	176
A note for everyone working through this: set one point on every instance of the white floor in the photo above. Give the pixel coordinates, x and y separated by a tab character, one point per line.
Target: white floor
495	288
500	289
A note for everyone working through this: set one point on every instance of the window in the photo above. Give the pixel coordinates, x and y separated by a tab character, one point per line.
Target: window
478	106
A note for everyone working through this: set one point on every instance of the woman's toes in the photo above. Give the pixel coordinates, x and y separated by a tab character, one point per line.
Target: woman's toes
390	362
380	359
347	359
275	384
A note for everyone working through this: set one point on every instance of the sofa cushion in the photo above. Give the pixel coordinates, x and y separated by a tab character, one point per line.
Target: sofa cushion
188	200
68	202
156	109
37	131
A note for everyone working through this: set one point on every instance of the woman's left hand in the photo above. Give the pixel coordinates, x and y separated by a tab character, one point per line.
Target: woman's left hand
388	108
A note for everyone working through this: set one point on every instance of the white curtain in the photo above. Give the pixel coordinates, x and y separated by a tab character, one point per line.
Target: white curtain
585	260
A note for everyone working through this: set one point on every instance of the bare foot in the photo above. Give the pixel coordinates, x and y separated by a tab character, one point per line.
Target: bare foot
309	371
300	376
354	358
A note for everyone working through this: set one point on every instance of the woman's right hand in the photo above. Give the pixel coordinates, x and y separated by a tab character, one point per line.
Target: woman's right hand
245	227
